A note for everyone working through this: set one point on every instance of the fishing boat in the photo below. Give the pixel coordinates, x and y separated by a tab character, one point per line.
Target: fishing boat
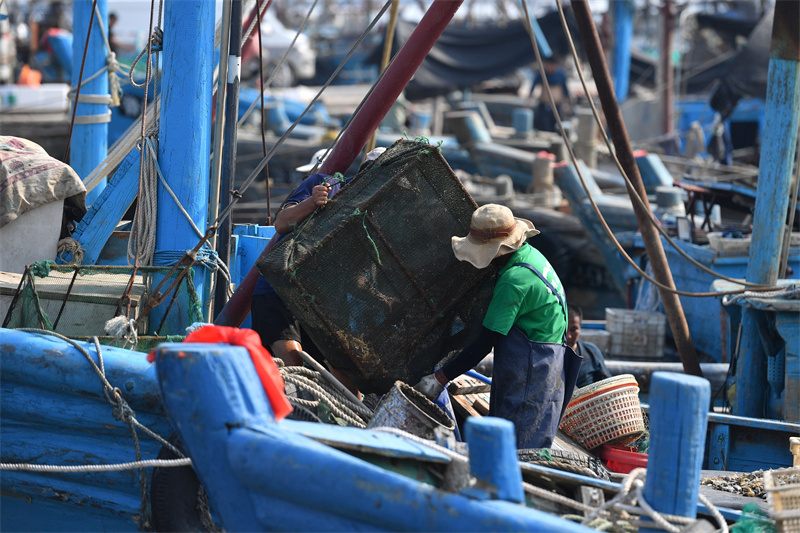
76	454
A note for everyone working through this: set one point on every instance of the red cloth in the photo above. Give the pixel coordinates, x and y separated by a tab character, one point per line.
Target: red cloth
267	369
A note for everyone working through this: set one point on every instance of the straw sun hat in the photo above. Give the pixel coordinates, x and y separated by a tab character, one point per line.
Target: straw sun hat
494	231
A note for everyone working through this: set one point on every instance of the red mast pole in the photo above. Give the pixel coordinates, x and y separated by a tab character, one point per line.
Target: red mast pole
397	76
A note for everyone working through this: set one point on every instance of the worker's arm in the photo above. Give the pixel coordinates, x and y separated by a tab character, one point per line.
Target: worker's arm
291	216
432	384
471	355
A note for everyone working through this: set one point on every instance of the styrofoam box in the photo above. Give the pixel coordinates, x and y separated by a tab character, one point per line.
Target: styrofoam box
47	97
636	333
730	245
600	337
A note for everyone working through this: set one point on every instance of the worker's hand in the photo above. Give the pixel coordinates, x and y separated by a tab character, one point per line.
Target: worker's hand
430	386
319	195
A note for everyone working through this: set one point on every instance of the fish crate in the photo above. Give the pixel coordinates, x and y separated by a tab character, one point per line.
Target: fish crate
783	496
372	277
636	333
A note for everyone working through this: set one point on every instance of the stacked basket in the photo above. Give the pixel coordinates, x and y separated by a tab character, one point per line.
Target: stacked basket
605	412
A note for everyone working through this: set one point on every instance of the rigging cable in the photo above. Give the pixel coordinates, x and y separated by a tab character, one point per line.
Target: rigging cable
634	195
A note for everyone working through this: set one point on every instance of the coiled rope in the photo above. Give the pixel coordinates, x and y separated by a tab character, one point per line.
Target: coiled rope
312	383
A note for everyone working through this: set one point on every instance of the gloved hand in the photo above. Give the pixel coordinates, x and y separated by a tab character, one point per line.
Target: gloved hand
431	385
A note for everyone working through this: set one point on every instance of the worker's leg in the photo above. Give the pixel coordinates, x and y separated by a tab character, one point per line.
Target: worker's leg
287	351
277	328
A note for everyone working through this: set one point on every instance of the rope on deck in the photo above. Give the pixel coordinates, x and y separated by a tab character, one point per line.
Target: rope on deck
134	465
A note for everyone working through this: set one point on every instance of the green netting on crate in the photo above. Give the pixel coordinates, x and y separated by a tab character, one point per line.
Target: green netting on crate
77	301
372	277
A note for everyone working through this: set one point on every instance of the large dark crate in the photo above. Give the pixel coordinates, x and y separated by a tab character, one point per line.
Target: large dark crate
372	276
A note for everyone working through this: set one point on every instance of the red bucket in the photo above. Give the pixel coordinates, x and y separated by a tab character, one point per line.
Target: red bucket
621	460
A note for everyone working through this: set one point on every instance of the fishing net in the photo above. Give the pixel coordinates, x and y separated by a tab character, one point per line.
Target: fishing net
372	276
77	301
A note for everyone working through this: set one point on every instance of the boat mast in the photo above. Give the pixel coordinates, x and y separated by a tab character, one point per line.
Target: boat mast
89	142
184	141
365	122
652	240
228	176
778	151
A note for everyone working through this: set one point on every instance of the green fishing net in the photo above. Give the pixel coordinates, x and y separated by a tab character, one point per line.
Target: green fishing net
372	277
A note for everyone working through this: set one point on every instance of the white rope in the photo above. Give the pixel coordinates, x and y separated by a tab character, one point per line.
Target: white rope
121	327
455	456
169	190
122	147
93	119
791	292
100	99
134	465
142	238
337	405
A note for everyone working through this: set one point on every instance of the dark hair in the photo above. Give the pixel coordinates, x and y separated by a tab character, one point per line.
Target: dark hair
574	310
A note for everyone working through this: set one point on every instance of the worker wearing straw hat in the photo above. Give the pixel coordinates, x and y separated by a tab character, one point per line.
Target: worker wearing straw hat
534	370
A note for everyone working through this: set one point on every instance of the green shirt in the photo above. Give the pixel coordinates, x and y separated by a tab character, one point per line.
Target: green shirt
521	299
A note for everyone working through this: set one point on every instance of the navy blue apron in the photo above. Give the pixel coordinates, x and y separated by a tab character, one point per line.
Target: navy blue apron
532	382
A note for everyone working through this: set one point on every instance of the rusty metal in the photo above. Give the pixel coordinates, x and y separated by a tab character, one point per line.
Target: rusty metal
66	297
786	31
619	134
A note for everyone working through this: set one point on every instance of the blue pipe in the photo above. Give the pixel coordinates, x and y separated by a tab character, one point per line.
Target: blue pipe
623	32
478	375
89	145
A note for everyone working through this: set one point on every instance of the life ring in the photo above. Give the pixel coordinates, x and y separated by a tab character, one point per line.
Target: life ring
177	499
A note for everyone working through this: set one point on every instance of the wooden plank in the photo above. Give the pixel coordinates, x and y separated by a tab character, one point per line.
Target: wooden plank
481	405
467	385
463	407
102	218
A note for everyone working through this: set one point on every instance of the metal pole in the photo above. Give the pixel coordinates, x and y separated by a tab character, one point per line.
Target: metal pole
219	119
89	145
772	199
652	240
228	177
666	65
184	141
353	140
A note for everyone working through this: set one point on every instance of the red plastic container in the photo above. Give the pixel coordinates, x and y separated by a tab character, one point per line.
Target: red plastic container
621	460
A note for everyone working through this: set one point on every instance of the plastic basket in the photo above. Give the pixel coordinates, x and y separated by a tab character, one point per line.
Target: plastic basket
783	496
636	333
606	412
620	459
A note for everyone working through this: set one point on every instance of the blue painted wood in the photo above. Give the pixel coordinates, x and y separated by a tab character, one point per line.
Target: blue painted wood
259	476
89	144
184	140
250	241
678	423
654	172
94	230
493	459
53	411
772	196
719	445
373	441
623	32
788	325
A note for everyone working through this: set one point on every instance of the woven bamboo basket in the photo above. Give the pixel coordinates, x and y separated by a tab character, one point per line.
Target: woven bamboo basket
783	496
606	412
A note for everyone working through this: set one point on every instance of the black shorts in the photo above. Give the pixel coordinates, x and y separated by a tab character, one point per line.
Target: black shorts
274	322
